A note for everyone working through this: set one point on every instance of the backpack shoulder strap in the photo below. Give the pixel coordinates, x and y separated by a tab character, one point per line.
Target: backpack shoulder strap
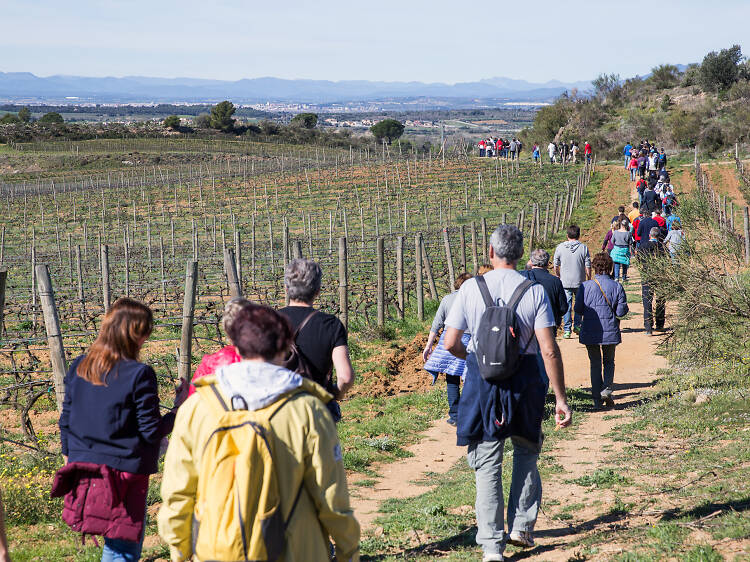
304	323
485	291
603	293
519	293
213	398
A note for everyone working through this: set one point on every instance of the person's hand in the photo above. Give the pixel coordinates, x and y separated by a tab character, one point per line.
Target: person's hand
426	353
563	414
181	393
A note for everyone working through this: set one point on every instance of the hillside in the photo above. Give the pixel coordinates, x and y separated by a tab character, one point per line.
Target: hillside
705	105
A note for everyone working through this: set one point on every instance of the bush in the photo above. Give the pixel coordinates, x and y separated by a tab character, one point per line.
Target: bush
712	137
51	117
684	127
665	76
691	76
306	120
9	119
221	116
739	90
720	70
388	129
172	122
203	121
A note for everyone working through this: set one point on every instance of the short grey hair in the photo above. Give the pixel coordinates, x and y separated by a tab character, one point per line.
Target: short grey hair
302	278
539	258
655	232
231	309
507	242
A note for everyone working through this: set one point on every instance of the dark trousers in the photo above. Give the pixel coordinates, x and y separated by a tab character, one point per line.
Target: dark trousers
602	360
453	383
653	312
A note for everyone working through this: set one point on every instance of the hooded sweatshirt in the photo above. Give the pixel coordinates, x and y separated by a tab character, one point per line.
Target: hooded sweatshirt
573	258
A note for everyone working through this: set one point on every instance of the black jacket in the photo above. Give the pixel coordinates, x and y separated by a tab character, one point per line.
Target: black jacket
554	289
650	200
644	227
117	424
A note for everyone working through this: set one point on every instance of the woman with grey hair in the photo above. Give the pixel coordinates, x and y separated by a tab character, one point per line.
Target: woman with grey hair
228	354
321	338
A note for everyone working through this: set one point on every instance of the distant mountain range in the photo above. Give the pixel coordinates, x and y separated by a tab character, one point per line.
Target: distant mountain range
24	86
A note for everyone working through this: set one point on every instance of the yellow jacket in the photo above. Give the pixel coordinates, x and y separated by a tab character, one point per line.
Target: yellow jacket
307	450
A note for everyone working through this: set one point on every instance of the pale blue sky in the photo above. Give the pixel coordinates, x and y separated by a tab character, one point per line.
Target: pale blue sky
435	41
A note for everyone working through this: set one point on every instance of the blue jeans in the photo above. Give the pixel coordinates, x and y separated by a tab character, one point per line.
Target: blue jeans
602	359
621	267
453	383
577	320
118	550
627	161
633	173
486	459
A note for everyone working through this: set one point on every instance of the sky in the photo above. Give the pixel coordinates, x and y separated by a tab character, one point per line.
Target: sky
390	40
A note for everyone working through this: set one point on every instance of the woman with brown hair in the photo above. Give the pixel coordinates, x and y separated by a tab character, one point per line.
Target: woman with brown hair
111	429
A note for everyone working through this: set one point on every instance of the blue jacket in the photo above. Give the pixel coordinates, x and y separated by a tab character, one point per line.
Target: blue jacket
117	424
600	323
627	149
513	408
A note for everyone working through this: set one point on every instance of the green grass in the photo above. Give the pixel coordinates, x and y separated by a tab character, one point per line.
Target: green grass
601	478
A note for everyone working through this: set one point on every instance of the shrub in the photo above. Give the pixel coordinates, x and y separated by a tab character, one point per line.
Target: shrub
203	121
684	127
739	90
172	122
306	120
51	117
388	129
720	70
665	76
221	116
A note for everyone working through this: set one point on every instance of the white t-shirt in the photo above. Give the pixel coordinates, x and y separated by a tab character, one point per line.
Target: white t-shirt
533	312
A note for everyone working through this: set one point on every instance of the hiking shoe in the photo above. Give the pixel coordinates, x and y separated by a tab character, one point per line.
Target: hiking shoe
492	557
450	421
566	335
524	539
649	332
608	401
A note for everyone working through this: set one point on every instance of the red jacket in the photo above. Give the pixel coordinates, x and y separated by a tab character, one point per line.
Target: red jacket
660	221
636	222
100	500
210	363
587	149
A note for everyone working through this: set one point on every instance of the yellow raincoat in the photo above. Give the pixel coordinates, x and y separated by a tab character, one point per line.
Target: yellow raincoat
307	450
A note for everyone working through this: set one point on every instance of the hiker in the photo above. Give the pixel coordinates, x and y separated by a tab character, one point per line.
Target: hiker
226	355
650	199
662	162
653	305
607	243
110	430
564	150
573	266
675	238
622	239
634	213
632	165
626	151
535	154
538	271
551	149
587	152
321	338
216	454
645	225
489	413
574	151
642	165
601	301
513	149
439	360
482	148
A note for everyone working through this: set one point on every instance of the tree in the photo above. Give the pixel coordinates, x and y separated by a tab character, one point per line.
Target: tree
605	84
203	121
172	122
9	119
306	120
52	117
665	76
221	116
24	115
720	70
388	129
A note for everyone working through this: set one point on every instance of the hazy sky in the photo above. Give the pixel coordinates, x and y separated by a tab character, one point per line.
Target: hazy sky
435	41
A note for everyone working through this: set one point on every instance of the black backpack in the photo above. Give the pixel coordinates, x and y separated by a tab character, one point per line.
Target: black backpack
497	340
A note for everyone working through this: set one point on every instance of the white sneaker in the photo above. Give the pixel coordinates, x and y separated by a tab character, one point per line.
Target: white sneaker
492	558
523	539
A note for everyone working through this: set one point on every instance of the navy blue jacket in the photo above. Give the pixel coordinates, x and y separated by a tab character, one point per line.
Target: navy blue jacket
645	226
554	289
117	424
600	324
513	408
650	200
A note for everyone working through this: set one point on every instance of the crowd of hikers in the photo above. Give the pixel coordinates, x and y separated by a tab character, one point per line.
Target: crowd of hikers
559	152
253	467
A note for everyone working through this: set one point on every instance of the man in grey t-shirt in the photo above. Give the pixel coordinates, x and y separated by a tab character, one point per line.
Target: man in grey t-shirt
573	267
478	425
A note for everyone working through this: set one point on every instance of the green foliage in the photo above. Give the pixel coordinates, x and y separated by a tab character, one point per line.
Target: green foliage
203	121
388	129
605	84
684	127
666	102
172	122
270	127
601	478
306	120
665	76
691	76
24	115
720	70
221	116
740	90
9	119
51	117
551	118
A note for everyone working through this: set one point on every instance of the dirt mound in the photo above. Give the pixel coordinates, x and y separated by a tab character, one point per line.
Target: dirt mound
403	371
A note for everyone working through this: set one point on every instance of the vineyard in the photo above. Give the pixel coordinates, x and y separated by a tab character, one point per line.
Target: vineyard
390	230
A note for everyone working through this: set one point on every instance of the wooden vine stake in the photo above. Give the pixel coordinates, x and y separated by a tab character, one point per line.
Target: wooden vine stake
54	337
188	311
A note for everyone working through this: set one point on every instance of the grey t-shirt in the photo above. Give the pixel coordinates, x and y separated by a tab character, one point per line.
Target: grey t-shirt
675	238
534	311
620	238
442	312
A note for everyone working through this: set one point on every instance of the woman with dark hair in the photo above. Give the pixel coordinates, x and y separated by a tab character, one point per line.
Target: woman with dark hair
601	302
110	429
440	360
257	395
